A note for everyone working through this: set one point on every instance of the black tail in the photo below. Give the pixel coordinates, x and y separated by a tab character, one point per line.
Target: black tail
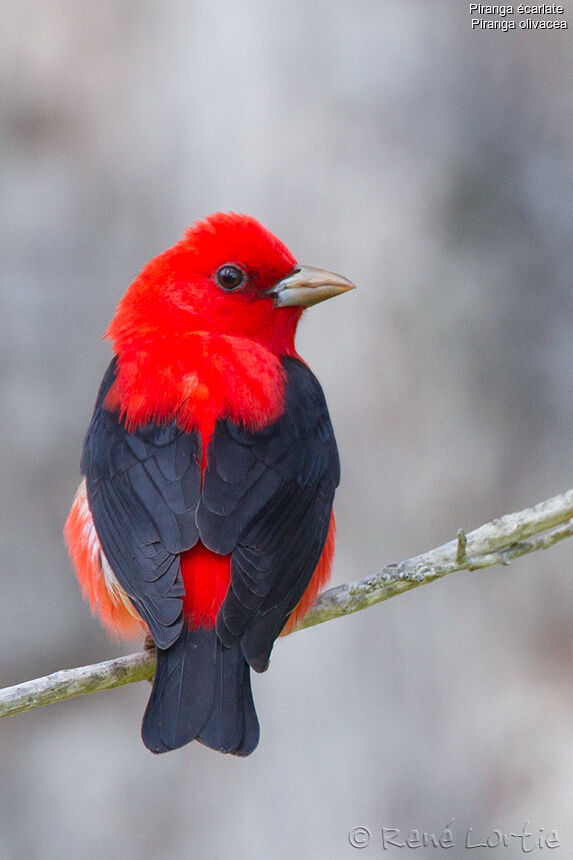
202	691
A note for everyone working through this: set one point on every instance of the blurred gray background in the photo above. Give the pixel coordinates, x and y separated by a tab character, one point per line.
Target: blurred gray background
432	165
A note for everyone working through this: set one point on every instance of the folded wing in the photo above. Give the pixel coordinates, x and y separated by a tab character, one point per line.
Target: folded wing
266	499
143	490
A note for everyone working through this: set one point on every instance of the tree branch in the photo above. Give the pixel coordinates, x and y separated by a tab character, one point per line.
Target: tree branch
498	542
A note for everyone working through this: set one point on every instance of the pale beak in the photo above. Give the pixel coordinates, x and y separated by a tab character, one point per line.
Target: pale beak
306	286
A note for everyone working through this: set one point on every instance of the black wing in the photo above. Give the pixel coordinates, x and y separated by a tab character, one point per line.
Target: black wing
143	489
266	499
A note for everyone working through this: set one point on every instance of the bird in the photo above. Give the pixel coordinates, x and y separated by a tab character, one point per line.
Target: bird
204	518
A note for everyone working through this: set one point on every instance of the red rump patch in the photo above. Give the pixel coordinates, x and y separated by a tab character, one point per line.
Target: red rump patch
206	577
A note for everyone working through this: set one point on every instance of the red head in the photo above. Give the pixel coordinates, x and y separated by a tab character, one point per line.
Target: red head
228	275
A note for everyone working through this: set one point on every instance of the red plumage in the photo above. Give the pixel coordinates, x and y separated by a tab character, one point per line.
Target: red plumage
210	468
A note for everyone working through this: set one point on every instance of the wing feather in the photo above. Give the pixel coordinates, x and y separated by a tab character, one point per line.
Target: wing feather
266	499
143	489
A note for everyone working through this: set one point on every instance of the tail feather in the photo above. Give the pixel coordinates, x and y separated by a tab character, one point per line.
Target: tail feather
250	737
201	690
232	725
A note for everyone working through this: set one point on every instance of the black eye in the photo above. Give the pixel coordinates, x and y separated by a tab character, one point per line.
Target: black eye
230	277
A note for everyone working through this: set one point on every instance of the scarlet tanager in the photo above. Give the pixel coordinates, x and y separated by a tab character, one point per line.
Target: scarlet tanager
205	514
